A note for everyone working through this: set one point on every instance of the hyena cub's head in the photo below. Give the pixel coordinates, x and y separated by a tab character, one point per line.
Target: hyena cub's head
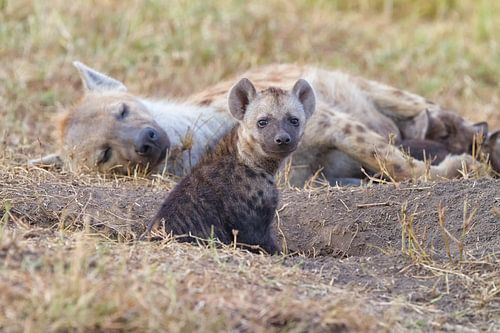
110	129
453	131
448	128
273	120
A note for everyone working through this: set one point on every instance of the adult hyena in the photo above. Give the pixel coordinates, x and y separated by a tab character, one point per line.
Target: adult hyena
231	193
111	129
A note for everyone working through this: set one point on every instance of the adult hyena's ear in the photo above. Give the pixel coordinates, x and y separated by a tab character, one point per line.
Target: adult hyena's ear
48	161
482	128
240	96
415	127
305	93
95	81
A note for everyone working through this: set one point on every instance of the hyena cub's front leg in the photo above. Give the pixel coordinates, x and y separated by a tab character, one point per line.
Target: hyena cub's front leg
331	130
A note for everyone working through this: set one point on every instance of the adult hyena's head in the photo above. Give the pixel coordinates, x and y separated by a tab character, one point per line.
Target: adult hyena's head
272	121
110	129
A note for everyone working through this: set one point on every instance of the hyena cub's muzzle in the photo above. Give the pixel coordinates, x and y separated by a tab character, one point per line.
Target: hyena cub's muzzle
281	137
283	143
151	145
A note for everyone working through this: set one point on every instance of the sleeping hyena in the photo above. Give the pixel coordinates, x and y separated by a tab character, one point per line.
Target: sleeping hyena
241	167
439	143
111	129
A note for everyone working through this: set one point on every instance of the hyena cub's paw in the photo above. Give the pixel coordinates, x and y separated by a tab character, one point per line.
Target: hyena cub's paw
458	165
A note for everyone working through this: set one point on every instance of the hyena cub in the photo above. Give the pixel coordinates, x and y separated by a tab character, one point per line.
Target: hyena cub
446	135
231	193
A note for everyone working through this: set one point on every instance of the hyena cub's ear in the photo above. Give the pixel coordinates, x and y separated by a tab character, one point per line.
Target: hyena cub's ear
305	93
482	128
95	81
240	96
415	127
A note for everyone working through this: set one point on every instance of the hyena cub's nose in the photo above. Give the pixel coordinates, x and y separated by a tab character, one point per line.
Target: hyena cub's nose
282	139
146	141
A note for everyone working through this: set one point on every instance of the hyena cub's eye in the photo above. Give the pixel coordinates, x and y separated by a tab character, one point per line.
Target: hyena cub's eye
294	121
262	123
124	111
104	155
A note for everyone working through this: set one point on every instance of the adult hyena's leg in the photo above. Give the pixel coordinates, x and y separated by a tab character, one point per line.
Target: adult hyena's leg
330	130
394	103
337	87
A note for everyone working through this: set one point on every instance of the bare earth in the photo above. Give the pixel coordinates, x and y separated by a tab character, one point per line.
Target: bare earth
376	252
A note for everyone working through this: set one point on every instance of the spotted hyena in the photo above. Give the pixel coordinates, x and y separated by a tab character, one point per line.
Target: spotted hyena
112	129
241	167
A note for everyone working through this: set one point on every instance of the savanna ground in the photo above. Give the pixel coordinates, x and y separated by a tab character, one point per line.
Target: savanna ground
394	257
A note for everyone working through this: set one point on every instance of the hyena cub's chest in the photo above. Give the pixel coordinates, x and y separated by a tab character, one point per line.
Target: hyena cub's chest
256	193
239	201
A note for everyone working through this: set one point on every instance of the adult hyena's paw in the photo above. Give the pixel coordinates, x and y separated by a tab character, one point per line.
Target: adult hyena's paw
47	162
454	166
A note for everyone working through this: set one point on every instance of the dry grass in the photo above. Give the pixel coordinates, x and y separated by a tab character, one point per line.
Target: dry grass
57	275
476	276
77	282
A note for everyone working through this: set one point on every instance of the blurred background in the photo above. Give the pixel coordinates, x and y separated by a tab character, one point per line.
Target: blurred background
446	50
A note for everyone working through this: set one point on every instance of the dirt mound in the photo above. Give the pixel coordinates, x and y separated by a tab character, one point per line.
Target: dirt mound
335	221
366	221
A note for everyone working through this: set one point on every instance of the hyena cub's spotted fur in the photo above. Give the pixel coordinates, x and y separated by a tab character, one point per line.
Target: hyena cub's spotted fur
231	193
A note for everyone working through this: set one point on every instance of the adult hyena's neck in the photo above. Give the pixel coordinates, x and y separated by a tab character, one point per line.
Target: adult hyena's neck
191	130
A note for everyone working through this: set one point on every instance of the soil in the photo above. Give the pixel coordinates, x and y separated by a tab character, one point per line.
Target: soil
367	221
348	237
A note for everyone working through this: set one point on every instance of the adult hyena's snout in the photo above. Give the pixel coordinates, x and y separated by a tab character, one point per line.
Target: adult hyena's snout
146	141
151	144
